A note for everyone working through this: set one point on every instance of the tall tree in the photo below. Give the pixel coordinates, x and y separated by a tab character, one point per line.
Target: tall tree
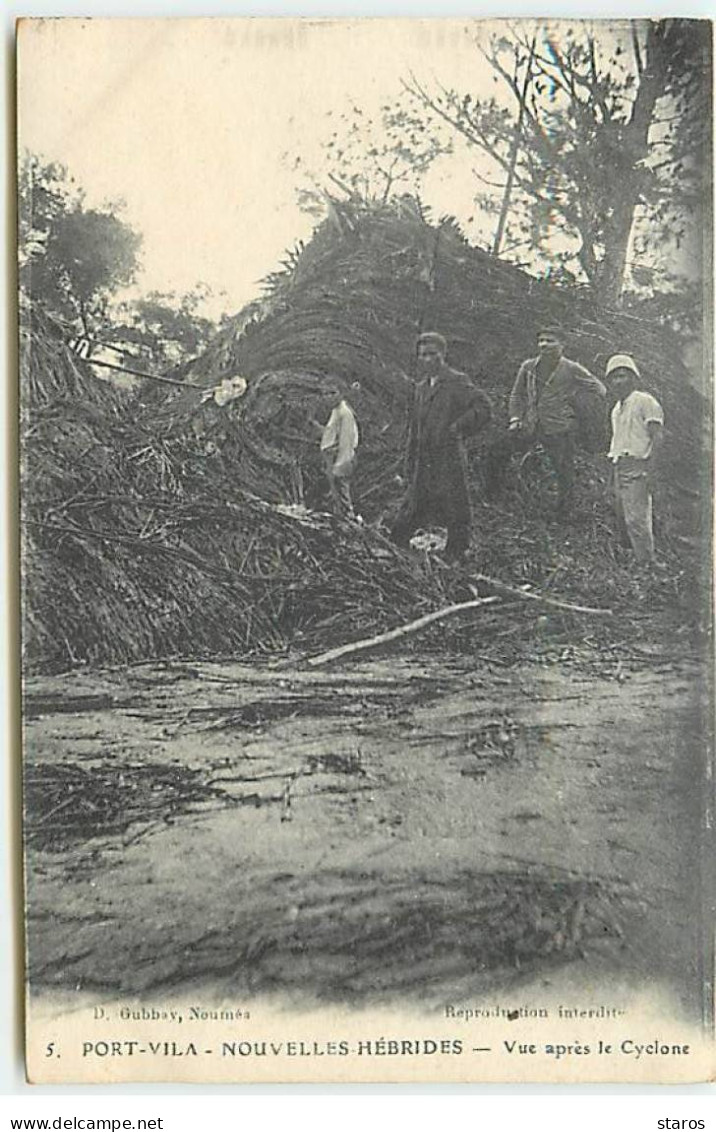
369	159
73	259
163	328
600	137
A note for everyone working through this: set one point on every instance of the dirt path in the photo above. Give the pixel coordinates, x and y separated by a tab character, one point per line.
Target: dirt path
369	834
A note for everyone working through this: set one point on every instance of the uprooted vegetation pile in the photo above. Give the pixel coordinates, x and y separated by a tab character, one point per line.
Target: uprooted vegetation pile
137	545
171	525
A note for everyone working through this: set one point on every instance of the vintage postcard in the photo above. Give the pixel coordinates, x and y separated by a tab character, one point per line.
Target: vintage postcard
366	440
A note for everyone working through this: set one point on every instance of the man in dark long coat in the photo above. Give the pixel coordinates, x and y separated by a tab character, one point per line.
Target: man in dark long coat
446	408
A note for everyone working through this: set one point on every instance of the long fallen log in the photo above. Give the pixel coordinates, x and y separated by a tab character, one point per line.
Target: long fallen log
525	595
400	631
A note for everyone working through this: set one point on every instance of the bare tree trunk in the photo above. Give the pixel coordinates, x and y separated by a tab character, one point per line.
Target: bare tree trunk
84	319
611	272
612	269
514	152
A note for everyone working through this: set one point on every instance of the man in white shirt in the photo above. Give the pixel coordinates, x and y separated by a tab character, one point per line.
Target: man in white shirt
637	433
339	441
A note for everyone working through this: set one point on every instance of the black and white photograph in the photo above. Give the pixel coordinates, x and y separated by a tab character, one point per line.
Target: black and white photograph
366	457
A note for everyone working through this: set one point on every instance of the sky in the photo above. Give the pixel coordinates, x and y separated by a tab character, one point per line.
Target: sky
189	122
195	124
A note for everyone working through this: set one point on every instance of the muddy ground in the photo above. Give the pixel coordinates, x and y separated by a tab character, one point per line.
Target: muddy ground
383	832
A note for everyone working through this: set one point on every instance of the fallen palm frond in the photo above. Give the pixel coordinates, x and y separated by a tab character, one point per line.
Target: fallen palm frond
66	804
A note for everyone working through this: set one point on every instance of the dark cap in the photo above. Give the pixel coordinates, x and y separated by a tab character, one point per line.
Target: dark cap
551	331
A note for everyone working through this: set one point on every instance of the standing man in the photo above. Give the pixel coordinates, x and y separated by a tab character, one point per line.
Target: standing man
545	406
637	434
446	408
339	441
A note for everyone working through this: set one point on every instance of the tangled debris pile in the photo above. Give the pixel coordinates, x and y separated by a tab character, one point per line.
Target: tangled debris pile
135	547
181	526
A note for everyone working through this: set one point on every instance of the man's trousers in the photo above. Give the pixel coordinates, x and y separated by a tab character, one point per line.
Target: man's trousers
560	453
444	503
634	508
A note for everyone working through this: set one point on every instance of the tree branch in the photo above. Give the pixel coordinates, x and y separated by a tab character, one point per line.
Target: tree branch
401	631
526	595
637	51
